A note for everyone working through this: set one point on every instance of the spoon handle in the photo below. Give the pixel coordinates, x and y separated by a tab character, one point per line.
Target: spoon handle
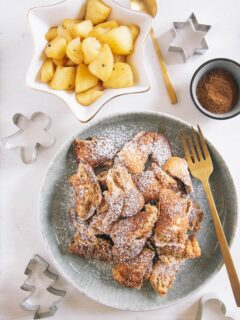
166	78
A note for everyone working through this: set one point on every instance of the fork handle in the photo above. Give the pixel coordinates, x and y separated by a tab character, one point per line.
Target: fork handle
166	78
232	274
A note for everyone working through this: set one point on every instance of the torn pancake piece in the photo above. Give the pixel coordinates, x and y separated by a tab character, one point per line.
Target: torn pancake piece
87	190
94	151
122	198
86	233
101	249
163	178
133	199
85	242
195	216
148	185
164	273
188	249
130	234
178	168
135	153
161	149
110	211
172	223
132	273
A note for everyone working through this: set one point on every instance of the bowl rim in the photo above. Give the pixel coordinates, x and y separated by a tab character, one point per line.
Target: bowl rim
30	82
199	107
49	251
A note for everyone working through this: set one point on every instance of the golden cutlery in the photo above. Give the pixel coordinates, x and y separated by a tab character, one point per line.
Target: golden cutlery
201	167
150	7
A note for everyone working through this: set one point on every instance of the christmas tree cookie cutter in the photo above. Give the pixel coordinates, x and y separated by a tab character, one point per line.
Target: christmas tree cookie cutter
35	133
29	286
192	32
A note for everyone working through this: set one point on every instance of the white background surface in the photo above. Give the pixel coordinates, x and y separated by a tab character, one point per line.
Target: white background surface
20	184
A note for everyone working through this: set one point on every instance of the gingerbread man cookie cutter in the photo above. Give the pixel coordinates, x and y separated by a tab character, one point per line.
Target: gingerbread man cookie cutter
204	303
34	142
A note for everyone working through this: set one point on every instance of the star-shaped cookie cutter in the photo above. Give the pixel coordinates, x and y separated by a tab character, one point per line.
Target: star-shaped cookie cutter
28	154
26	304
196	28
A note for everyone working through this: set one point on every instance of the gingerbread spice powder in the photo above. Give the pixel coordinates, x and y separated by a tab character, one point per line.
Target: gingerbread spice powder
217	91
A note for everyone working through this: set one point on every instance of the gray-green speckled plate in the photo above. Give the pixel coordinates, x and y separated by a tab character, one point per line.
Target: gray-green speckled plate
94	277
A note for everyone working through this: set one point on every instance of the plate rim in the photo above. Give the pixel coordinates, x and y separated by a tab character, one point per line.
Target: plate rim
56	263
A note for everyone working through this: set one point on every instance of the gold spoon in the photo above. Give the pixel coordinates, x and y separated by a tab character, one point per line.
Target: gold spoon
150	7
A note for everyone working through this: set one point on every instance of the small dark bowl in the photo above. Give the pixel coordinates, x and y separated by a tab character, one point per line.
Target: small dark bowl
220	63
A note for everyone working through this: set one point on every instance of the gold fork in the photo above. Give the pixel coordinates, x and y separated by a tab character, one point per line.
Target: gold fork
201	167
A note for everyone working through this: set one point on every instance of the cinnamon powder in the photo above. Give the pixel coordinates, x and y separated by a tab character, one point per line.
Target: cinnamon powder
217	91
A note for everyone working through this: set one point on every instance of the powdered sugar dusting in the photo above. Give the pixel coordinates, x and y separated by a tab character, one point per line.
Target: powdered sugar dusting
148	185
161	149
95	150
129	235
62	197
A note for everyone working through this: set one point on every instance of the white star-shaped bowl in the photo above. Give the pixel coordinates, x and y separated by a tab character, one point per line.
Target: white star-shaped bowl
42	18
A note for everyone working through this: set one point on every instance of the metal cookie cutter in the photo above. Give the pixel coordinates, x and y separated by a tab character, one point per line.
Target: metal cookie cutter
35	135
197	32
204	302
29	286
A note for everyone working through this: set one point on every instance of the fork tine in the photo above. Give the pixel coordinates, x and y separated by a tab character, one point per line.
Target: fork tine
199	151
193	152
204	144
185	147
